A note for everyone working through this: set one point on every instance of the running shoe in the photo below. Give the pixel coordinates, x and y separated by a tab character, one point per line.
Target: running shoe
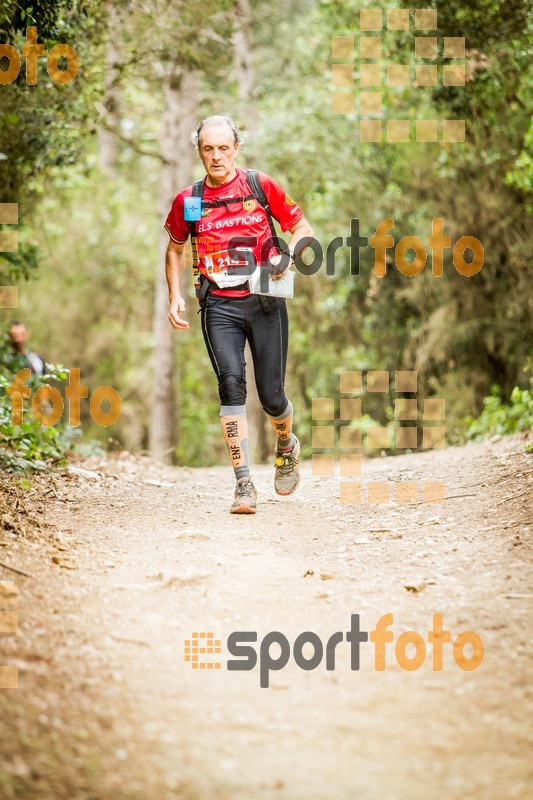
287	475
245	497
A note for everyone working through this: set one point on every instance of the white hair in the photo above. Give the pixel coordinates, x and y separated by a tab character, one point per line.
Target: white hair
216	120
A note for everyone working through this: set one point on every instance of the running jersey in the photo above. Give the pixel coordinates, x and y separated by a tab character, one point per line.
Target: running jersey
219	225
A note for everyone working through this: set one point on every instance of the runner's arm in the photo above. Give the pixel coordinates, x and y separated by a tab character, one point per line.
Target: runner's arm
174	272
302	230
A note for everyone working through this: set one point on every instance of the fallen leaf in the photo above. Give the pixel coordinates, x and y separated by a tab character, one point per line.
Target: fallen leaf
415	587
63	562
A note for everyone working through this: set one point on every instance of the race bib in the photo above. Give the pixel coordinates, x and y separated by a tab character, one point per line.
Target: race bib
225	271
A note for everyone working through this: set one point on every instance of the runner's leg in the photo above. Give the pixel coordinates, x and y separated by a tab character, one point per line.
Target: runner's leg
225	337
283	427
268	335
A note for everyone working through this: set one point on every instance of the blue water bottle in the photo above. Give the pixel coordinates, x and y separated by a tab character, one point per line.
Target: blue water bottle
192	209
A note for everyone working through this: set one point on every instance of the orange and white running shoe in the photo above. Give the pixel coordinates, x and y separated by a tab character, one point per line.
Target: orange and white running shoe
245	497
287	475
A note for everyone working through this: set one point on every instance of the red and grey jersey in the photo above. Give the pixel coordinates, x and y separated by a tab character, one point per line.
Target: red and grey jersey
219	225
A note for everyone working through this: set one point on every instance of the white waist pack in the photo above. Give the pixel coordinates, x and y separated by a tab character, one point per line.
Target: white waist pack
282	287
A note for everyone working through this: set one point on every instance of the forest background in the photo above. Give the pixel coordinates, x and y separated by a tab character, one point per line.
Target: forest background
94	166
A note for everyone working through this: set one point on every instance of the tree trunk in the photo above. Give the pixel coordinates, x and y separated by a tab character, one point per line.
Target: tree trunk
180	91
108	133
242	43
259	428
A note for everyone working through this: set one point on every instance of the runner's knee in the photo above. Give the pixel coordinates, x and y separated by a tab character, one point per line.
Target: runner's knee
274	401
232	389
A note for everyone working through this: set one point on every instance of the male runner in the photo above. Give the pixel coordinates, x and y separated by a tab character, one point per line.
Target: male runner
230	314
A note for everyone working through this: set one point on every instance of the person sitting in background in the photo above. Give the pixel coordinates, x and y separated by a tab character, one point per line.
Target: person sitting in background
18	334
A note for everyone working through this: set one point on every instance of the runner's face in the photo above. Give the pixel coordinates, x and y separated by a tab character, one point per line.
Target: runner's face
218	151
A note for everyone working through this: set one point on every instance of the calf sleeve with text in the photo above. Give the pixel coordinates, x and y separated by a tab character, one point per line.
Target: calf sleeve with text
235	432
283	427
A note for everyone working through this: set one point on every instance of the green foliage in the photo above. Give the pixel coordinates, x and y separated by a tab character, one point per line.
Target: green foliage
500	418
29	446
16	15
43	127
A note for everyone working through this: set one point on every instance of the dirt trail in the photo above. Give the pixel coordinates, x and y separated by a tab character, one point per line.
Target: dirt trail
132	560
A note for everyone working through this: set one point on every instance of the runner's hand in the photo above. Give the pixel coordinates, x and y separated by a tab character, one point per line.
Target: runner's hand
275	260
177	307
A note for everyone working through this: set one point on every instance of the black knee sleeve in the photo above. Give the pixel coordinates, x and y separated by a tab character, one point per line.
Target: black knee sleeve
232	389
274	403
